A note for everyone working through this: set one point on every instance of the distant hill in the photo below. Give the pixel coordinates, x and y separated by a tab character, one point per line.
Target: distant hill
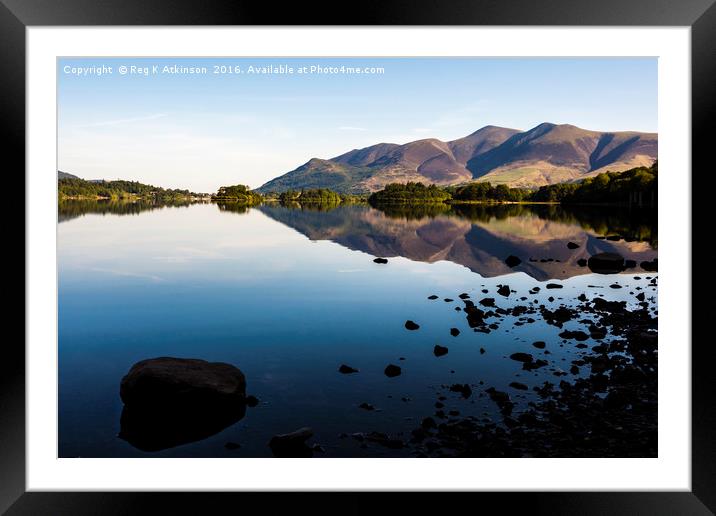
65	175
545	154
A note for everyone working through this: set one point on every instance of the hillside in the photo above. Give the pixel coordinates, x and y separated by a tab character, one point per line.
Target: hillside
545	154
65	175
70	186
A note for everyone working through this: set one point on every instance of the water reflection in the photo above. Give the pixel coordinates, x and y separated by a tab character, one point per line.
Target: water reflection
480	237
71	209
477	236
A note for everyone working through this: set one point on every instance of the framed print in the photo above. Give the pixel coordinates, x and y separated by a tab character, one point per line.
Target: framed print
420	252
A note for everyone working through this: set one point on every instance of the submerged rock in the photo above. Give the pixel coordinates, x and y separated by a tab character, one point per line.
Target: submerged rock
433	297
292	444
539	344
454	332
380	260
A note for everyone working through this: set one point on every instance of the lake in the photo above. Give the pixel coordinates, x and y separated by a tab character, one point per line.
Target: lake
288	294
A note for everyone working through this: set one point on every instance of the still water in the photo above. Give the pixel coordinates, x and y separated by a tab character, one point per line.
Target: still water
288	294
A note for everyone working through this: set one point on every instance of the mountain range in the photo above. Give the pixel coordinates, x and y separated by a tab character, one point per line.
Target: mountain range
546	154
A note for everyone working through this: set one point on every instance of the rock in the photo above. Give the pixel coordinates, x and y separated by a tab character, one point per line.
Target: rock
463	388
519	386
232	446
539	344
615	285
410	325
252	401
529	366
651	266
504	290
433	297
448	300
182	383
292	444
428	422
614	238
490	301
629	264
522	357
439	350
346	369
384	440
380	260
366	406
553	285
482	351
392	370
576	335
464	295
572	245
512	261
454	332
640	296
172	401
606	263
582	262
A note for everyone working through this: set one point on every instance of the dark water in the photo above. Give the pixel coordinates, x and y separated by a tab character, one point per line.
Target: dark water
289	294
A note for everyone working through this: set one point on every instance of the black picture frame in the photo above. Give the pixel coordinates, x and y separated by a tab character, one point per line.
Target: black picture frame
17	15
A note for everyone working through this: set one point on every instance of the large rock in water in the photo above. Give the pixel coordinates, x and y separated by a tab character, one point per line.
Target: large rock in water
173	401
606	263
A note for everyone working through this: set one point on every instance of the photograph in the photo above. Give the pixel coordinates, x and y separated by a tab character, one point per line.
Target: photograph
357	257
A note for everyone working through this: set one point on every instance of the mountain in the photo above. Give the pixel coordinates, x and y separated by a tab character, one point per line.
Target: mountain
546	154
65	175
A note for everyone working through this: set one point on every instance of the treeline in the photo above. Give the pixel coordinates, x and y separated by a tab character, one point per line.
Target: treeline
312	195
399	193
75	188
486	192
633	186
240	194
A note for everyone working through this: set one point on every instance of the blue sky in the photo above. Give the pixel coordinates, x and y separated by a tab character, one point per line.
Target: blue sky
200	131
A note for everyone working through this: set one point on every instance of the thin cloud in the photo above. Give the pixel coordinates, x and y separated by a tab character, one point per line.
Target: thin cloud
124	121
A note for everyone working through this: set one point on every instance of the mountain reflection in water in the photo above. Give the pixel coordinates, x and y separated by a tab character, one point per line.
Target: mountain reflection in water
480	237
477	236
